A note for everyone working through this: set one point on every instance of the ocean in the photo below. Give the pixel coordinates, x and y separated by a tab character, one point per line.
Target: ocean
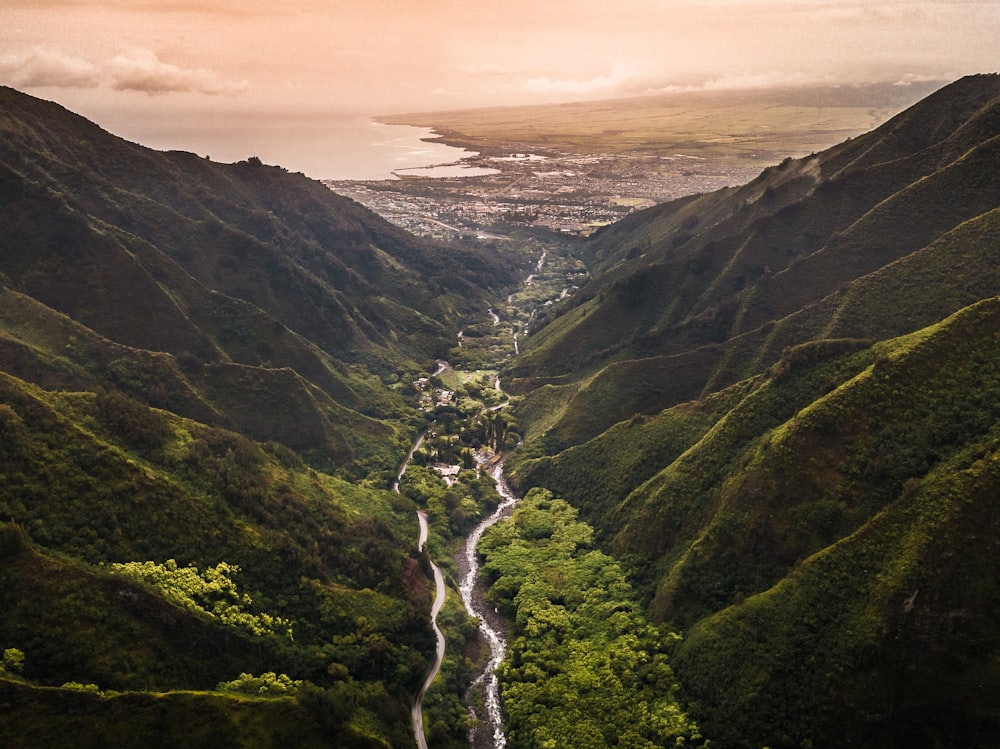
341	148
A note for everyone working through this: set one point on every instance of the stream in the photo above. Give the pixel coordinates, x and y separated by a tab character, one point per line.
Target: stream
487	731
490	622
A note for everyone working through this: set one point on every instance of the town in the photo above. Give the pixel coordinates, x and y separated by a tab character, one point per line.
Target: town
567	193
570	169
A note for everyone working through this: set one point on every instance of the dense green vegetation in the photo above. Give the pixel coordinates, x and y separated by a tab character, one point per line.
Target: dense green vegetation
204	394
584	669
285	570
777	405
79	717
760	441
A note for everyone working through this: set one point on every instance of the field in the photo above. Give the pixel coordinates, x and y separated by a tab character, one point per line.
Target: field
572	168
758	126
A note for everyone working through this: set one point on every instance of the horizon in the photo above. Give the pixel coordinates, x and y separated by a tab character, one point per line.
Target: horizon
169	74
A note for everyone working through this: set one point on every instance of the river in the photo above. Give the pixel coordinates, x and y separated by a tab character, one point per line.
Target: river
490	622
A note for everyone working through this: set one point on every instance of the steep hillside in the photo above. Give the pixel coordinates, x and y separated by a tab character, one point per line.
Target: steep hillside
244	279
800	470
201	401
774	408
695	295
143	552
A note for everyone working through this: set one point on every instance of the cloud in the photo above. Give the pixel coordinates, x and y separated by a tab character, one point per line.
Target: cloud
911	78
744	81
601	84
40	67
139	70
142	70
772	79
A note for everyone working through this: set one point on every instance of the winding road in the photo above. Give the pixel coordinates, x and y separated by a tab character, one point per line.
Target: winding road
491	626
417	712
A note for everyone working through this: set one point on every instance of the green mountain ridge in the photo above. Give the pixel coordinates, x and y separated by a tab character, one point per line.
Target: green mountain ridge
800	470
774	408
222	265
202	400
697	284
96	480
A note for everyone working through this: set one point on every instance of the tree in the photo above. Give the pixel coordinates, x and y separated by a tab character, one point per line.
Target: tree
13	661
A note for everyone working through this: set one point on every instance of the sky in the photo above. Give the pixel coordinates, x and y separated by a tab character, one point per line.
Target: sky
133	64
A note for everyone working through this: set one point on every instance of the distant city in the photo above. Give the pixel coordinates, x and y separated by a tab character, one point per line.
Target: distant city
567	193
573	169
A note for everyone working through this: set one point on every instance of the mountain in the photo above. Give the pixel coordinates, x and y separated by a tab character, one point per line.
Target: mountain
777	404
205	288
203	373
697	294
147	559
775	407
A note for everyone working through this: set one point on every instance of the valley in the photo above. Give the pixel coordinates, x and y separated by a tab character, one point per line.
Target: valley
754	431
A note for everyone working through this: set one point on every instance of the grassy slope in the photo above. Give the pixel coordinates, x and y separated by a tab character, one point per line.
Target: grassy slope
697	295
54	718
794	521
820	520
95	480
219	265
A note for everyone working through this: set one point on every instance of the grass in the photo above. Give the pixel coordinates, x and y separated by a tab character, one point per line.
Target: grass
755	127
53	718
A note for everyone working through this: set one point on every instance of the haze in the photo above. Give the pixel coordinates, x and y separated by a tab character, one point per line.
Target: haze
173	65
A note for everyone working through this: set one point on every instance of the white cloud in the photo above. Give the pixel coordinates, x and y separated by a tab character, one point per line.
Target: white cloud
40	67
763	80
744	81
142	70
139	70
909	79
601	84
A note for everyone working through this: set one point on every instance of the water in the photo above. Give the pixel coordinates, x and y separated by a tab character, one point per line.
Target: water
447	170
490	623
337	148
475	605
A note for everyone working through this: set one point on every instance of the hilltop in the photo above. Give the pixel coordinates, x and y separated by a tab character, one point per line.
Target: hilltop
240	295
710	289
